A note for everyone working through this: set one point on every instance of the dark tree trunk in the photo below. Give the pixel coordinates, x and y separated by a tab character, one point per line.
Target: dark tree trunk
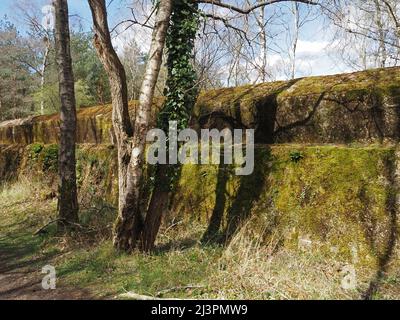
157	207
120	115
68	200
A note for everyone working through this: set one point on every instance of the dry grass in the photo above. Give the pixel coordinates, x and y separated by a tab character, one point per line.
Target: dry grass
244	269
25	204
249	270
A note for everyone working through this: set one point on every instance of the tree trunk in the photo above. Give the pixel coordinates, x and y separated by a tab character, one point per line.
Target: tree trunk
260	19
177	107
122	125
68	200
43	74
382	53
125	232
296	15
157	207
130	143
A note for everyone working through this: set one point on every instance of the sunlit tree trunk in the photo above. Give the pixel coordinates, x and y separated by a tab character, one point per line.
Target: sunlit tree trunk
130	140
296	15
180	93
382	53
263	43
43	73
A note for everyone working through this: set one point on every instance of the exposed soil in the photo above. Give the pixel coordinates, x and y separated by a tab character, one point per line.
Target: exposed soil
20	279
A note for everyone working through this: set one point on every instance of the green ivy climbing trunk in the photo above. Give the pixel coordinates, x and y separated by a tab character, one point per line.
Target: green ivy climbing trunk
68	200
181	94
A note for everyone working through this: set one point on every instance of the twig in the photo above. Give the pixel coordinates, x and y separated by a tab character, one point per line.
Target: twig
39	231
250	9
181	288
135	296
173	226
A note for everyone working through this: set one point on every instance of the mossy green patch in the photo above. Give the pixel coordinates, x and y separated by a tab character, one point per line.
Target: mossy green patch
342	108
336	197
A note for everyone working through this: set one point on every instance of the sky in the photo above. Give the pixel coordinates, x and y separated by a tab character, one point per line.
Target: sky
76	7
314	55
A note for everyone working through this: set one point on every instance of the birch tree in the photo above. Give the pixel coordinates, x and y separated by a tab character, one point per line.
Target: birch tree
39	29
130	138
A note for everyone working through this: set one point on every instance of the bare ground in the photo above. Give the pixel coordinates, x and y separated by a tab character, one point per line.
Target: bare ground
20	279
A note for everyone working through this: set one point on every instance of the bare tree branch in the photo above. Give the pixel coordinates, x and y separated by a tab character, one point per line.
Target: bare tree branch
254	7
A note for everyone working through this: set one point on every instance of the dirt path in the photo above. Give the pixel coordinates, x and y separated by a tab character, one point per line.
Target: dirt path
20	279
25	285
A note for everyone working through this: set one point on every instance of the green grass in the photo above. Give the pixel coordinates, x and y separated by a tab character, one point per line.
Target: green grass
109	273
246	268
83	263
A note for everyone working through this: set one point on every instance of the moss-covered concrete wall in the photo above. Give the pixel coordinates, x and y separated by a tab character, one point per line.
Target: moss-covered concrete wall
94	126
10	161
362	106
339	198
96	167
335	198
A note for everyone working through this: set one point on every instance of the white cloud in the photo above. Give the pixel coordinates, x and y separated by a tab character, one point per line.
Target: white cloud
311	47
312	58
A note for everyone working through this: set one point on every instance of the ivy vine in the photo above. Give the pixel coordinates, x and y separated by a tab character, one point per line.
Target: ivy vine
181	91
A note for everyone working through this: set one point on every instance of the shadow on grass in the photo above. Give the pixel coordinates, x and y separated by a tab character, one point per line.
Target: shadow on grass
23	251
174	245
